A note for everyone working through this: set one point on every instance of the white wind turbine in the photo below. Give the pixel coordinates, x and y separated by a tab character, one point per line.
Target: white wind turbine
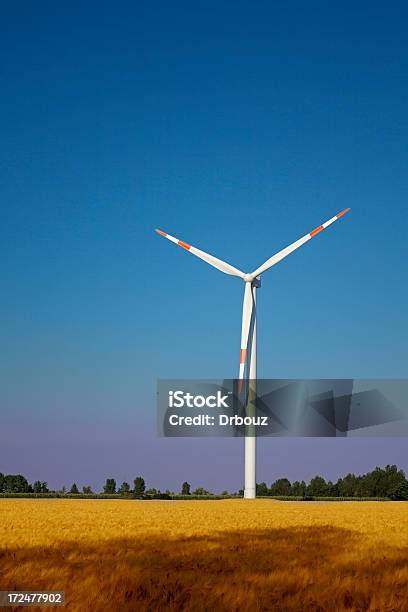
247	359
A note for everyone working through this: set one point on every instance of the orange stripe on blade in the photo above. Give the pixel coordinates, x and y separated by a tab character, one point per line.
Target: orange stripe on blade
343	212
242	355
160	232
184	245
317	230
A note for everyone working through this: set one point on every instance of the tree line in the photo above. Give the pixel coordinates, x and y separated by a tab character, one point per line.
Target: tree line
381	482
16	483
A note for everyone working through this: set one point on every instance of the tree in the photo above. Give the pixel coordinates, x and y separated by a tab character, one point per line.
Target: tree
74	489
317	487
261	489
347	486
201	491
152	491
386	480
37	486
15	483
1	482
333	489
40	487
140	486
110	486
124	488
185	488
87	490
280	487
399	492
298	488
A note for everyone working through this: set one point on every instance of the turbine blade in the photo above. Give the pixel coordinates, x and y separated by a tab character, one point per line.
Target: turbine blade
247	310
295	245
210	259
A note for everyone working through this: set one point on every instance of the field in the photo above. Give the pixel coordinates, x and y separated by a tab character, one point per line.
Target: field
208	555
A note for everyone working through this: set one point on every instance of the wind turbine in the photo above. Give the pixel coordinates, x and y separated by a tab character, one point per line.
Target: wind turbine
247	358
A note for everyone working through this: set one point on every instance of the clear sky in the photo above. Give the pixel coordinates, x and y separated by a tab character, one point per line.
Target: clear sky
237	127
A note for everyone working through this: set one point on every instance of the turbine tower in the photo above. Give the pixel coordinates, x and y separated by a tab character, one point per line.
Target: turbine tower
247	358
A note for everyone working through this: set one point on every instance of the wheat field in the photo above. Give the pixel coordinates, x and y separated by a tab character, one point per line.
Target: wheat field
208	555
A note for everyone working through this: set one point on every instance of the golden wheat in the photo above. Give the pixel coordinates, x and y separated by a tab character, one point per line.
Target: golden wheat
209	555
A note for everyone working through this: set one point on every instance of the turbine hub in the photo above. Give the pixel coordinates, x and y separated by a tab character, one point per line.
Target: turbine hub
255	282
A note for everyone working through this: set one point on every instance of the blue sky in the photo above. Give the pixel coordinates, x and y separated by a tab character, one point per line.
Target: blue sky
238	128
